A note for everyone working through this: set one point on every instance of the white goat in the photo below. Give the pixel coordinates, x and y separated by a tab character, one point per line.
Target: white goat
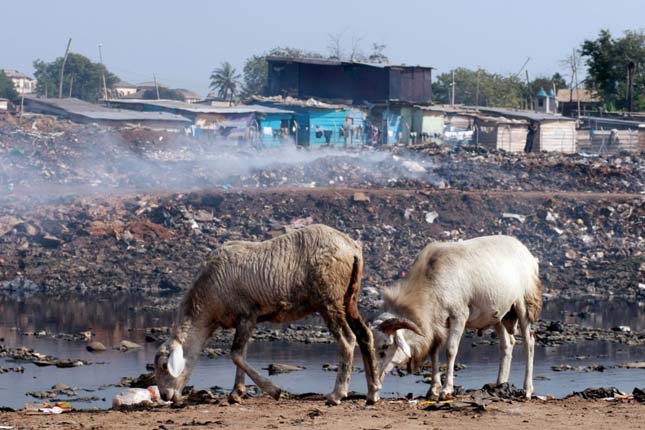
477	283
314	269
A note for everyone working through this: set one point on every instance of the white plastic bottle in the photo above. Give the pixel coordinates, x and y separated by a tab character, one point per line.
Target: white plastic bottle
134	396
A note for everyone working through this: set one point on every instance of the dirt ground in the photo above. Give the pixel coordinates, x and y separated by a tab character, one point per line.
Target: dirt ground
264	413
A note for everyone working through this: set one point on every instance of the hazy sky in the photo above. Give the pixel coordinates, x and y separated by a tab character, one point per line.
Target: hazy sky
182	41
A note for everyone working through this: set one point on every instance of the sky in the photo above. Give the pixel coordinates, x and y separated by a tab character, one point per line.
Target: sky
183	41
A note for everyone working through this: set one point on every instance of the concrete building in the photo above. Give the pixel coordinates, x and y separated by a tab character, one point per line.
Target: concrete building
4	105
568	101
124	89
23	83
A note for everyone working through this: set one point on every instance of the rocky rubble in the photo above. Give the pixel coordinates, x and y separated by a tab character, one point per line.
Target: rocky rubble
154	243
41	360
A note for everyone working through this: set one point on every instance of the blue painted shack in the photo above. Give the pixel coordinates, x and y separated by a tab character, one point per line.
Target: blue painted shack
319	124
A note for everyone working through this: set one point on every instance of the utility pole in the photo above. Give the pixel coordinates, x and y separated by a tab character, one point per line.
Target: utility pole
62	70
477	93
156	86
574	66
528	87
71	84
452	89
631	70
105	94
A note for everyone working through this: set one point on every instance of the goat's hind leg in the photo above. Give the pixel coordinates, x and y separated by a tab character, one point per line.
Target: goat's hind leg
243	333
346	342
366	344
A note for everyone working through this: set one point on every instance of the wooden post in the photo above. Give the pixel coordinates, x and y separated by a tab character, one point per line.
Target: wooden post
156	86
477	93
71	84
528	86
452	89
62	70
631	69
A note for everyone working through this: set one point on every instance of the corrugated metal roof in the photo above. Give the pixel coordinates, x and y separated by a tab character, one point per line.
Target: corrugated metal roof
97	112
292	101
525	114
197	108
329	62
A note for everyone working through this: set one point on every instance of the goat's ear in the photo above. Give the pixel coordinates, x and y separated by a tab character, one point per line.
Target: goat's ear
176	361
391	325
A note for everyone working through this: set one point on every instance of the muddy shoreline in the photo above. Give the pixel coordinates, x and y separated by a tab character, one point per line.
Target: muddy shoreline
263	413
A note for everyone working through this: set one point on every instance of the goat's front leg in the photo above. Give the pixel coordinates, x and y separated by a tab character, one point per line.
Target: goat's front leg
457	326
433	392
243	333
506	342
239	388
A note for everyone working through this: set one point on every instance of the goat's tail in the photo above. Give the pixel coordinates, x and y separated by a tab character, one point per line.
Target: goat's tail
533	298
353	290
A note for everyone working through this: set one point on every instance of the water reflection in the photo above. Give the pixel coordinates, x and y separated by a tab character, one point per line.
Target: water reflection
122	317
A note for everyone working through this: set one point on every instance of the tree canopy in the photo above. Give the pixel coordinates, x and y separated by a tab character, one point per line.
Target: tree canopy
225	81
84	77
607	60
7	89
494	89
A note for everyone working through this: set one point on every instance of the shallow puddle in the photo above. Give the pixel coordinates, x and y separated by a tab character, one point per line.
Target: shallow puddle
114	320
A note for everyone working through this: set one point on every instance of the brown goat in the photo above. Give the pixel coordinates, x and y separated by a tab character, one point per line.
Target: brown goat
314	269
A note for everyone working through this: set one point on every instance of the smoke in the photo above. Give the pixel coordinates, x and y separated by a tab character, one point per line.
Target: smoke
89	160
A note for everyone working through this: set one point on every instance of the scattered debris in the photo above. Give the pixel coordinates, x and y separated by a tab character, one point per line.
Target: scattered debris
276	369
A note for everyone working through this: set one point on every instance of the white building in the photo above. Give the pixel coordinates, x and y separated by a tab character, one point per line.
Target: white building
23	83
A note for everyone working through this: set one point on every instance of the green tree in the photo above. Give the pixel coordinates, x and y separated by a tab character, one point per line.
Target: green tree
225	80
494	89
607	59
7	89
164	94
547	83
256	69
84	77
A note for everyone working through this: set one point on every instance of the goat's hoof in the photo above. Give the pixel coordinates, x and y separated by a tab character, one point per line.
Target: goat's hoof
333	400
373	398
275	393
235	398
446	395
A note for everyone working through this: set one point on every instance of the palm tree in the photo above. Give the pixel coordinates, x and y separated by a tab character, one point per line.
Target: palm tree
224	80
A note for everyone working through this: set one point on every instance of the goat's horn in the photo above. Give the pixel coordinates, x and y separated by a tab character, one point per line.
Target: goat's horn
391	325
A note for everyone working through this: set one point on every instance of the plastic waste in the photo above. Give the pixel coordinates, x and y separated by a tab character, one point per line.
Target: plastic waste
134	396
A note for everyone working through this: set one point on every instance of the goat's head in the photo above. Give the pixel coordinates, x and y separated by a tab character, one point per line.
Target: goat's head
170	370
390	345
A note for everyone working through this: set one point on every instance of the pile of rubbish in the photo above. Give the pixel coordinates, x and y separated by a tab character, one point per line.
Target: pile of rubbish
42	157
152	243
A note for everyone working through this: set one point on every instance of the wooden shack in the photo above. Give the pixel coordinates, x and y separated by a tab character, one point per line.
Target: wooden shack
501	133
554	133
